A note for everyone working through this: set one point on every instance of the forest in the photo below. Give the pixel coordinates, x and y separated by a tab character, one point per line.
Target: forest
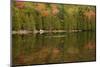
30	16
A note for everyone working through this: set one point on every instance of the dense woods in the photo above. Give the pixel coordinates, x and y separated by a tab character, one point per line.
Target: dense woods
45	16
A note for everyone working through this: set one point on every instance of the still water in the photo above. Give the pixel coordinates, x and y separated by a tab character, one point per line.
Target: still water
53	48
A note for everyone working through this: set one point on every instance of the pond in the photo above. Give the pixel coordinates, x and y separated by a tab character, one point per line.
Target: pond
50	48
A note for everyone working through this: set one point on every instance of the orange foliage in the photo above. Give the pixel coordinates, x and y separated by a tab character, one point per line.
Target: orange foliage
20	5
89	14
40	7
45	13
54	9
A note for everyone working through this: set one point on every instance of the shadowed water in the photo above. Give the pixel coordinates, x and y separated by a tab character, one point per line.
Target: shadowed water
53	48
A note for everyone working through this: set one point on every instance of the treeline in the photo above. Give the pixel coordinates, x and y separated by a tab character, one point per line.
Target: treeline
45	16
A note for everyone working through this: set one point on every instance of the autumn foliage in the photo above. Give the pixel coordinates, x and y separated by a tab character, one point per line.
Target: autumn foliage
36	16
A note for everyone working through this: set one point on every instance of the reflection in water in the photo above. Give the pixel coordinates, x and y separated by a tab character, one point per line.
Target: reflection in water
53	48
90	45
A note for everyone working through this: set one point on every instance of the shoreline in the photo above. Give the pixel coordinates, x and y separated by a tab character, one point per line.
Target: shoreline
46	31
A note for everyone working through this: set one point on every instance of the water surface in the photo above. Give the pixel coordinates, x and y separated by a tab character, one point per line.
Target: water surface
53	48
